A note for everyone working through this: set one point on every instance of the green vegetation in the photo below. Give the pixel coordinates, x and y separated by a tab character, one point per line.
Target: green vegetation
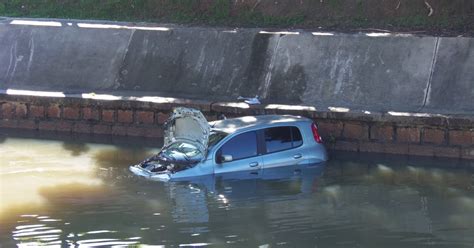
178	11
82	9
403	15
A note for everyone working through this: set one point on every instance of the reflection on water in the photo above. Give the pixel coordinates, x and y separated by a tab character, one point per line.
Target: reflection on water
54	193
76	148
116	157
28	165
53	232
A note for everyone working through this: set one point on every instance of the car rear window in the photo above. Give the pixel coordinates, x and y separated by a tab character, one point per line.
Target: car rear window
282	138
296	137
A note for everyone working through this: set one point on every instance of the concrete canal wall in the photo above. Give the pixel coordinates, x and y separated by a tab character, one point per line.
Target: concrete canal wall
370	71
369	92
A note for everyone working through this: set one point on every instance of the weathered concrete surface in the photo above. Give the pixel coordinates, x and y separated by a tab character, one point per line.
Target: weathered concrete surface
60	58
394	73
383	73
452	86
197	62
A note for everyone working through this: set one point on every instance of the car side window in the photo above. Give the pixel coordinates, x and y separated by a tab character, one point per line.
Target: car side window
277	139
282	138
296	137
241	146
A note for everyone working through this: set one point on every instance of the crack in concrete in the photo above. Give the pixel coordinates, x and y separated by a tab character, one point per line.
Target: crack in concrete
11	62
122	65
32	52
268	76
17	59
426	99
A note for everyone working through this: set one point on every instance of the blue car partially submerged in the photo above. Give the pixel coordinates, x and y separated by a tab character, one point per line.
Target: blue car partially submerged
194	147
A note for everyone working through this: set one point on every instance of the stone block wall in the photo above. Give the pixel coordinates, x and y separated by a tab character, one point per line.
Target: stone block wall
393	133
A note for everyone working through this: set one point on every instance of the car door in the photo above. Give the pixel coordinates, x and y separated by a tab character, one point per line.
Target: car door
244	149
282	146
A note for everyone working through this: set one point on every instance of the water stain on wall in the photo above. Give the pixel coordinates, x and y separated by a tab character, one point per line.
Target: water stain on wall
256	66
288	87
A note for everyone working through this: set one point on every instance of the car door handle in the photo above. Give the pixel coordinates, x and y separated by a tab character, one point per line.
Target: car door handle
254	164
297	156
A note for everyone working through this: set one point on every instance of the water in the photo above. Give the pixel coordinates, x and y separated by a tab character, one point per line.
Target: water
78	191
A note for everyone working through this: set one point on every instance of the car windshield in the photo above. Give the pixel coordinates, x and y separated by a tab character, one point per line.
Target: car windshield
184	148
215	137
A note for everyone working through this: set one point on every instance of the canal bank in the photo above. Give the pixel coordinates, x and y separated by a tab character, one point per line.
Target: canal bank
391	132
369	92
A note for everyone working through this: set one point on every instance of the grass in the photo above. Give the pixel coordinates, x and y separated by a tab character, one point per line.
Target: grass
179	11
81	9
223	13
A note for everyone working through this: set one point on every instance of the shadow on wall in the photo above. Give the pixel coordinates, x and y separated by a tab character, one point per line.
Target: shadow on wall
289	86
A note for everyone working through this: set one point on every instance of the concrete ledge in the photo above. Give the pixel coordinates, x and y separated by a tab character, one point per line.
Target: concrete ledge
419	134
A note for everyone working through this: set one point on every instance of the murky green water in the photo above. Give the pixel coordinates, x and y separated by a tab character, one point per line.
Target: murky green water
75	192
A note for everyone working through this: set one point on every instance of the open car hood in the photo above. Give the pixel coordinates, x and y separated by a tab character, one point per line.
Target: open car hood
187	125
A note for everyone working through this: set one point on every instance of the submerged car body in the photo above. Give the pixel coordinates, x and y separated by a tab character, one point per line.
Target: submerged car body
193	147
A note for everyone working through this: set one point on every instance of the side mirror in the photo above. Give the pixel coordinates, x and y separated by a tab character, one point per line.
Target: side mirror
226	158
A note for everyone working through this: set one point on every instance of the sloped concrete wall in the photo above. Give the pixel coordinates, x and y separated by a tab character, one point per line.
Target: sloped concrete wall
452	84
394	73
356	71
60	58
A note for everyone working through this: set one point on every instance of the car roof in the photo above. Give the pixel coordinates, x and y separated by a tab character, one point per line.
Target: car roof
248	122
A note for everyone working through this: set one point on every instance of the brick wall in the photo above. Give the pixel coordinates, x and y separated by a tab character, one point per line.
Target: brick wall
395	138
423	135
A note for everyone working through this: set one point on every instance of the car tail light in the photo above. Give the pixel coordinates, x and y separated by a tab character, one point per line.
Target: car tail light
316	135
